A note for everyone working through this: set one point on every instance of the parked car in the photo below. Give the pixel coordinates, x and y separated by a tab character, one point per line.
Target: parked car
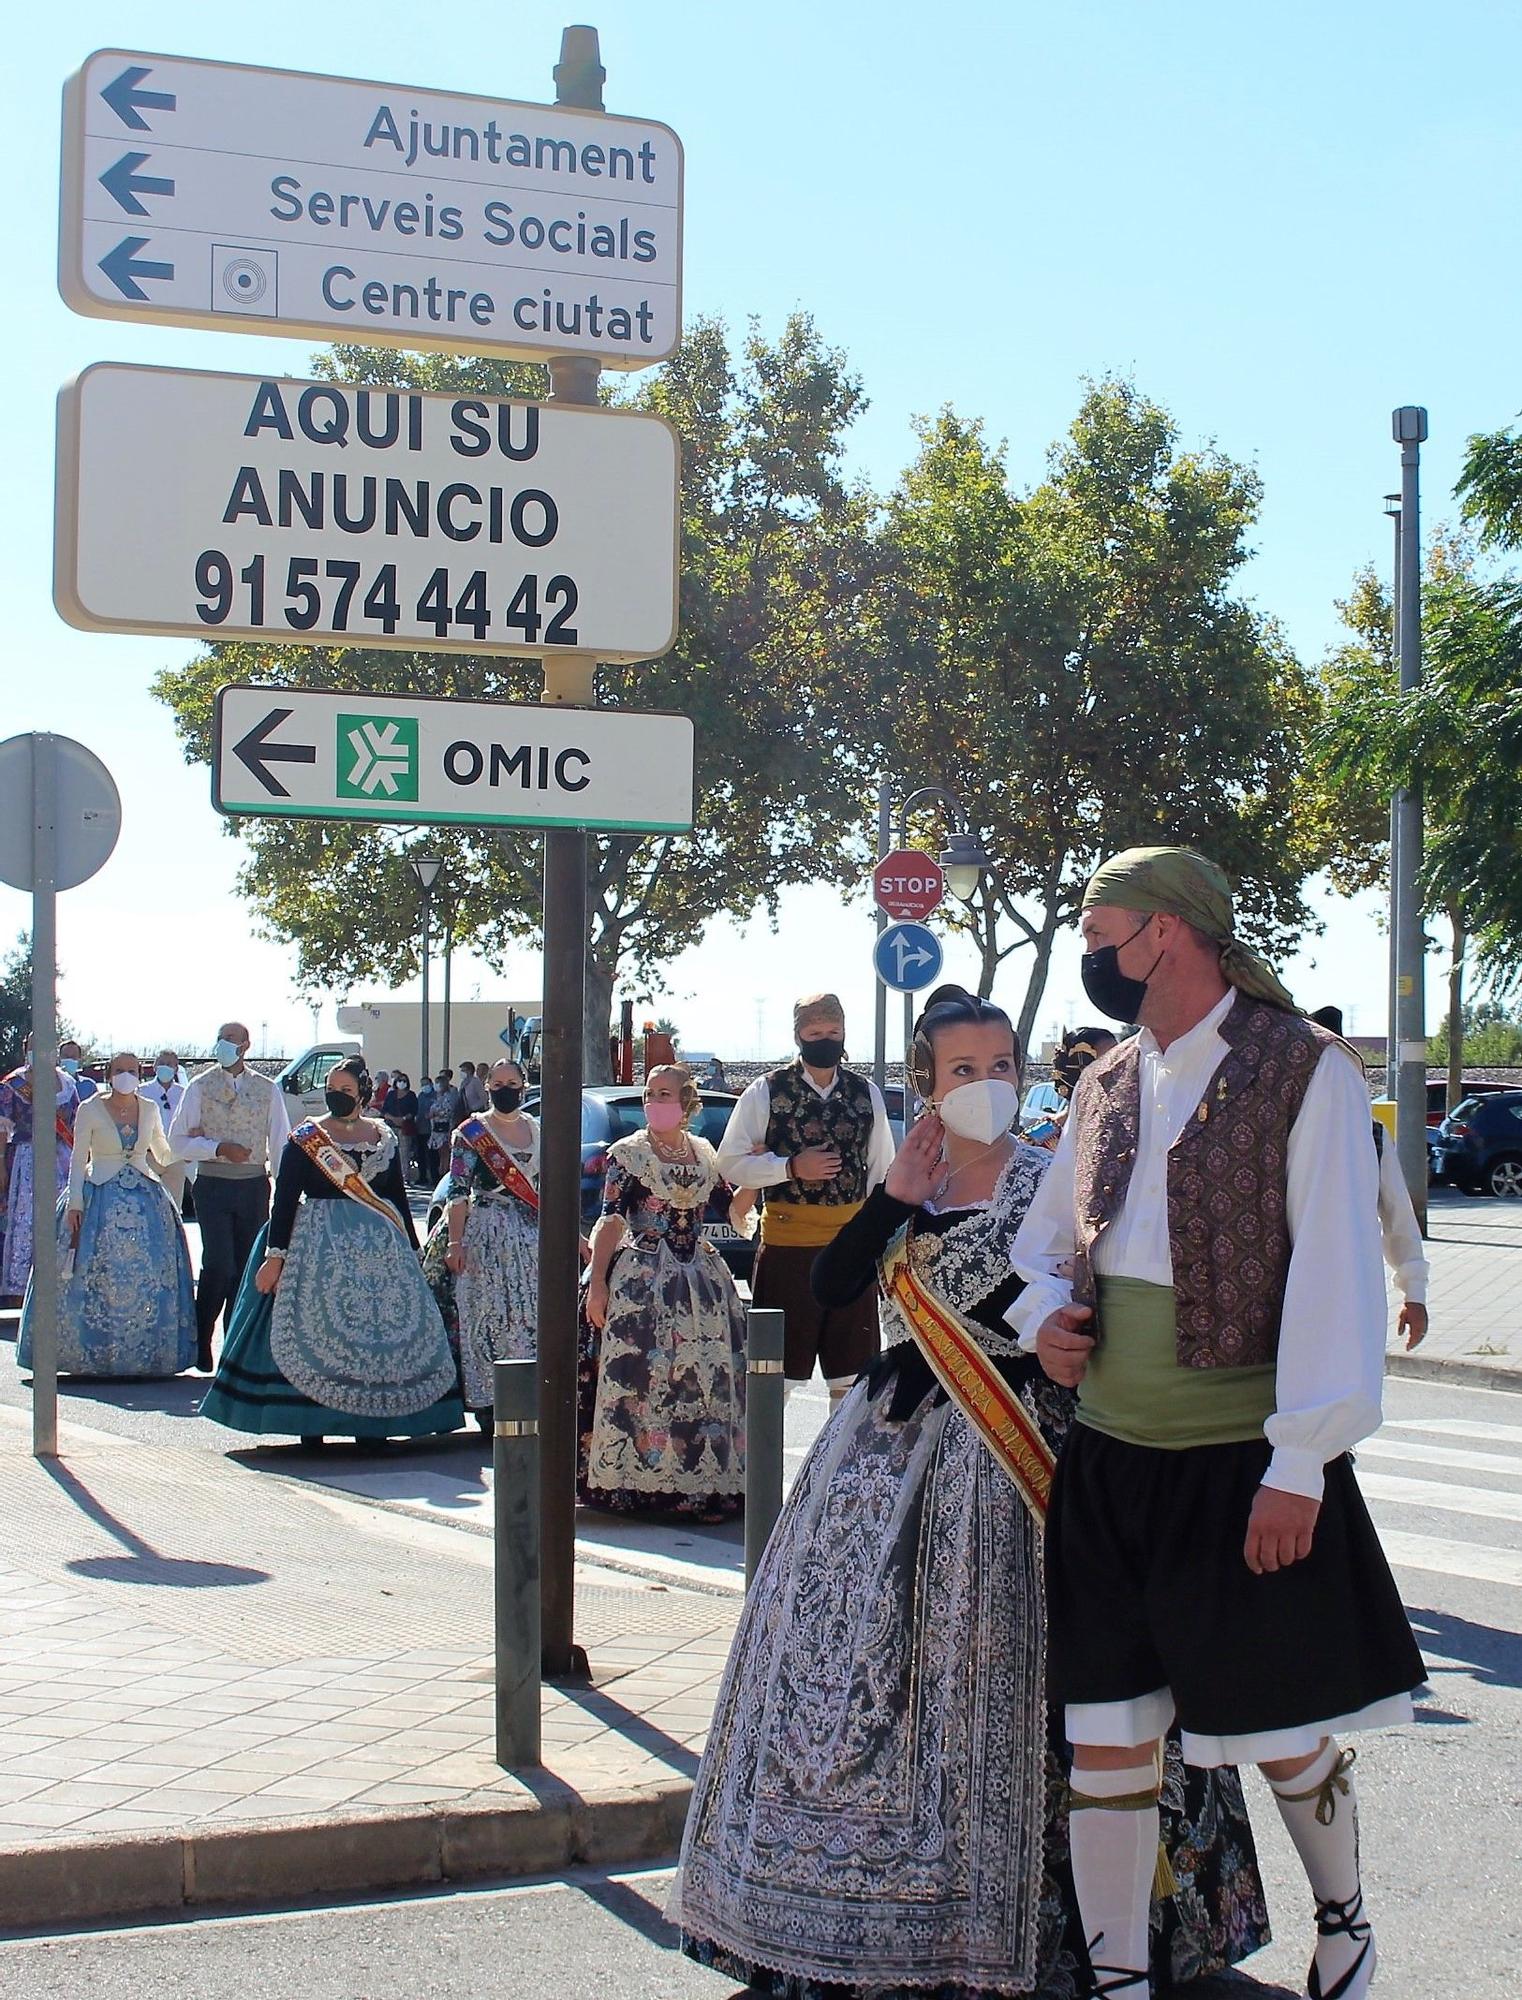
1478	1146
1472	1086
611	1111
1041	1102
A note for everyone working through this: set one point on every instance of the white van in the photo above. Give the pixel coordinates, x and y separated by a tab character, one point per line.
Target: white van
305	1079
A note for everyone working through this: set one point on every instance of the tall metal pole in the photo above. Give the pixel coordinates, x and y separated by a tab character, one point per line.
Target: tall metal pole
880	1003
1392	1036
569	678
448	971
425	1068
1409	428
44	1096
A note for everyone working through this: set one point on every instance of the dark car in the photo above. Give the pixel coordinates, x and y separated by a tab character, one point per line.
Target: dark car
1478	1146
1472	1086
611	1111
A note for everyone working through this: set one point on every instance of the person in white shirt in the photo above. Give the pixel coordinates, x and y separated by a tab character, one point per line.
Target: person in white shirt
1399	1230
816	1137
1202	1263
233	1123
163	1090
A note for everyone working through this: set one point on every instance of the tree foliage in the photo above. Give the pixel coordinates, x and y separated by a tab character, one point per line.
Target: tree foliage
1073	665
763	510
15	1002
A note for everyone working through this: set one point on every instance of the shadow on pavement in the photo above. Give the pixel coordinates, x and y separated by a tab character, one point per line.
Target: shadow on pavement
142	1562
1492	1653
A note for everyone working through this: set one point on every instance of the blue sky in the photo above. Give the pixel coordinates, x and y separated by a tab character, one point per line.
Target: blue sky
1282	222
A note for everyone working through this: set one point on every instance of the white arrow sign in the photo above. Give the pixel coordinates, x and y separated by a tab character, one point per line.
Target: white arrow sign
240	506
293	753
214	194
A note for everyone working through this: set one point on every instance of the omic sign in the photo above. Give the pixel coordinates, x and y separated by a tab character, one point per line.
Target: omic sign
271	201
318	513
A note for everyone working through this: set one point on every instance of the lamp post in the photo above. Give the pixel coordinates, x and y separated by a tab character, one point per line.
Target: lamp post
964	863
449	914
426	869
1392	1040
1408	427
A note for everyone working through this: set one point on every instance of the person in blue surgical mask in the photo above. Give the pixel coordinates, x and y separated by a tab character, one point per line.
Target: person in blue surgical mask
232	1122
163	1087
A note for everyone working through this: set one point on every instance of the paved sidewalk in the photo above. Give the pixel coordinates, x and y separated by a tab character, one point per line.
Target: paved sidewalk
1474	1245
216	1685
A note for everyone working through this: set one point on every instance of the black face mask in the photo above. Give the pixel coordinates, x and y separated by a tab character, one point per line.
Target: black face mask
1112	991
822	1051
506	1097
341	1104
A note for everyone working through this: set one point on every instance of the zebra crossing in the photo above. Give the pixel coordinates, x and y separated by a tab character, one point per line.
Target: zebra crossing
1445	1491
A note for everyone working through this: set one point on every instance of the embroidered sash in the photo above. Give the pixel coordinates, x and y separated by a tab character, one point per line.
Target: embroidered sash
23	1090
338	1168
485	1144
971	1380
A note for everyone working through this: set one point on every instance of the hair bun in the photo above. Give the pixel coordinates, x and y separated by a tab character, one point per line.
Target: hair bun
942	995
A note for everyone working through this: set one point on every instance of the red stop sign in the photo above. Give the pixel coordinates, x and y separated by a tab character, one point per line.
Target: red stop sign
908	885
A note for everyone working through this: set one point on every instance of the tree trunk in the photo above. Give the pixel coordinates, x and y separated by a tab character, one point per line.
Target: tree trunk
1035	986
1456	1008
597	1020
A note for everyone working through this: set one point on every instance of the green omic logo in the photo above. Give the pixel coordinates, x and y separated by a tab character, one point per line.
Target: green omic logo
377	757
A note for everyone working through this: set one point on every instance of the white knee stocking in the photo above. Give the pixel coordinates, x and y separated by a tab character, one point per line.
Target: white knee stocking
1113	1829
1320	1811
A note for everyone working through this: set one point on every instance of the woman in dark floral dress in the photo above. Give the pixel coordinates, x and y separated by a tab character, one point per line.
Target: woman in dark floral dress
881	1813
662	1374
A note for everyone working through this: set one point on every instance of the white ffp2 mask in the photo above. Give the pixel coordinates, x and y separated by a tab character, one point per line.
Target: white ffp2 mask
981	1111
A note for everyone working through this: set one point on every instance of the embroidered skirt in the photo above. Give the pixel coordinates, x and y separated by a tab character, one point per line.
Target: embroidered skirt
662	1388
880	1808
351	1344
16	1265
128	1309
497	1294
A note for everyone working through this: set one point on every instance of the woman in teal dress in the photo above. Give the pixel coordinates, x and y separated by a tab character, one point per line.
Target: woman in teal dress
126	1308
335	1332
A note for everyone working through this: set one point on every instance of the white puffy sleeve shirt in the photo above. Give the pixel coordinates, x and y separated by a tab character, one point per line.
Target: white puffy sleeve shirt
1332	1331
188	1116
743	1167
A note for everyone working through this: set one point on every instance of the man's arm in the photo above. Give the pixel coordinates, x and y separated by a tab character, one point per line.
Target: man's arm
739	1162
1405	1252
181	1125
880	1147
1332	1332
1043	1246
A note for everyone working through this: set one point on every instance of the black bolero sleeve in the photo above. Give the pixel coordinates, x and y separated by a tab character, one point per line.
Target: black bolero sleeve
845	1268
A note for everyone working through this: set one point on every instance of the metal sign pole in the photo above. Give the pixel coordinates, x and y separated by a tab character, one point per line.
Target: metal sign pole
1410	430
569	679
44	1315
880	997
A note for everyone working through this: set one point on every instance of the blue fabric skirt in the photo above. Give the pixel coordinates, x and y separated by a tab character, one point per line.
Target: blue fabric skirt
357	1314
128	1309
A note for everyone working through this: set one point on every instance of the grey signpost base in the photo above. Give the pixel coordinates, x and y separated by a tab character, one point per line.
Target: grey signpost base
60	814
515	1500
764	1396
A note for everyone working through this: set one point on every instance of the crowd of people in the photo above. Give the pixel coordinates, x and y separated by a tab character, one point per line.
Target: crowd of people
1081	1535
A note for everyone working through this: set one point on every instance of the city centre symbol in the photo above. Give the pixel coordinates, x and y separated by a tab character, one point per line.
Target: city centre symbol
377	757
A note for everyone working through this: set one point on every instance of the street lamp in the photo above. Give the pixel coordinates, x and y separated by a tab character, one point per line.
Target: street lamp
964	864
426	869
1408	428
1392	1038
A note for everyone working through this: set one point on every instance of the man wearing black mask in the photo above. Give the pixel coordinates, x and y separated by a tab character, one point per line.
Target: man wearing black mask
816	1137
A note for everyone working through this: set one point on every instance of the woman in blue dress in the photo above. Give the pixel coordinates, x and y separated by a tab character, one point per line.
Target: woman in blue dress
335	1331
127	1307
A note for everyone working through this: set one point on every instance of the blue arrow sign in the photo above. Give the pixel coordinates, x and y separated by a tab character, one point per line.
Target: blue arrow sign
129	103
907	957
122	267
124	183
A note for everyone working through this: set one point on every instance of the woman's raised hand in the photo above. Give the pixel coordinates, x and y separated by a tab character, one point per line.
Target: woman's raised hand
917	1164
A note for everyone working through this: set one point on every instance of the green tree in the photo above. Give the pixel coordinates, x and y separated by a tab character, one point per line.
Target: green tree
763	510
1072	664
15	1001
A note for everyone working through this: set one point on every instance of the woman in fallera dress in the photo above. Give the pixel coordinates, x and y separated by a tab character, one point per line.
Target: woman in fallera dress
127	1307
335	1332
880	1810
662	1375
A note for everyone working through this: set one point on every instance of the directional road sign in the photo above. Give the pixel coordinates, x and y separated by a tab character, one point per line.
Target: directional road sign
270	201
287	753
230	506
907	883
907	957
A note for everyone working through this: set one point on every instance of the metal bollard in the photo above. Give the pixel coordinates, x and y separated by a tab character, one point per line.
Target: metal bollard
764	1390
515	1497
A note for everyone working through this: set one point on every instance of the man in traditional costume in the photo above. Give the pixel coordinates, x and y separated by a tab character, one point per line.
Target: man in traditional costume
816	1137
24	1202
233	1123
1203	1264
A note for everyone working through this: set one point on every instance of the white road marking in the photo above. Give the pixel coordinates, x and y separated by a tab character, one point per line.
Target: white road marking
1471	1559
1459	1427
1436	1454
1478	1500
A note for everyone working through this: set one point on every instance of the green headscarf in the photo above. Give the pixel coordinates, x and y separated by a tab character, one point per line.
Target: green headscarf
1185	884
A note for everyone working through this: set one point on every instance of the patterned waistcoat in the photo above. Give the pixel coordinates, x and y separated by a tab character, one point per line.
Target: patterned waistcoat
800	1117
240	1115
1228	1230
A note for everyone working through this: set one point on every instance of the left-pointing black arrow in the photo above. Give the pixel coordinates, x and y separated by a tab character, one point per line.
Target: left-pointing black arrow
124	267
258	753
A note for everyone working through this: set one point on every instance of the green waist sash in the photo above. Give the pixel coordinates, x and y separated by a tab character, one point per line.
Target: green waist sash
1135	1389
